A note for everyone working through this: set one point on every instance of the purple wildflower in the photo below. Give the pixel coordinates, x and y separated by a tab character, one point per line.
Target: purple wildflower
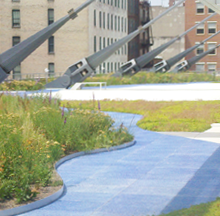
65	120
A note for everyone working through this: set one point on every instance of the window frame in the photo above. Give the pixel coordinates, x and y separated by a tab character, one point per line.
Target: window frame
14	23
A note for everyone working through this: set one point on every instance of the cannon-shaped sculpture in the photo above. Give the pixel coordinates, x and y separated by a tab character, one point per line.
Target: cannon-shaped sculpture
15	55
133	66
82	69
166	65
187	64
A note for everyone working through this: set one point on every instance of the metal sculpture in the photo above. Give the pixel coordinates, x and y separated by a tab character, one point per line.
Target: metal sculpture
165	65
133	66
185	65
12	57
82	69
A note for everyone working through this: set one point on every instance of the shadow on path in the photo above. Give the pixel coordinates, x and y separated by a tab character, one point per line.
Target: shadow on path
202	188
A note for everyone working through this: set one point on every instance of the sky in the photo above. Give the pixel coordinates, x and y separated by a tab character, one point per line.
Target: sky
159	2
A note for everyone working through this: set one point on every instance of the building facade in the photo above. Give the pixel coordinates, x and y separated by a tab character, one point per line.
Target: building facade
167	28
195	12
97	26
139	13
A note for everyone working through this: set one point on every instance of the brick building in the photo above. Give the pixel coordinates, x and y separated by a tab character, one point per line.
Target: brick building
139	13
195	12
97	26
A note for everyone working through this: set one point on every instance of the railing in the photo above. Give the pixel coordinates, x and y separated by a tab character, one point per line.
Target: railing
78	86
34	76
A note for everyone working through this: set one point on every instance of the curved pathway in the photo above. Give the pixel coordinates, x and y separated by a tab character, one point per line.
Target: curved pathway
161	173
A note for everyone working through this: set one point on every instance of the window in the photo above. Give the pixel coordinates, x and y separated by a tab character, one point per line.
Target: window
122	24
15	40
51	44
94	17
100	19
112	22
211	66
95	50
15	18
108	21
125	25
100	43
104	20
50	16
103	42
211	46
51	69
200	8
200	29
108	67
17	72
115	23
211	11
212	27
122	4
200	49
200	66
116	3
119	23
15	0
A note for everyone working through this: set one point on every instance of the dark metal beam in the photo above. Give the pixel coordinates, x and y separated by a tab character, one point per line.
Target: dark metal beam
165	65
82	69
134	66
15	55
187	64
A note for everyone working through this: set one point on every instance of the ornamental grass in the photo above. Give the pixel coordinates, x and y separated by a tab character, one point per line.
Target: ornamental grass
36	132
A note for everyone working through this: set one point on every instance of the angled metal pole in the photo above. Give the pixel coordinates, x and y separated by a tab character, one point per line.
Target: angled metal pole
134	66
175	59
82	69
12	57
165	65
188	63
211	5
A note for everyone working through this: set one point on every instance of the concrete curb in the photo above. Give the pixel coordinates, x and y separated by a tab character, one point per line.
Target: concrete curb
48	200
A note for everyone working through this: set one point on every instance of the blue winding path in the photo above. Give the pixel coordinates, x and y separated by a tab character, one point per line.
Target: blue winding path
161	173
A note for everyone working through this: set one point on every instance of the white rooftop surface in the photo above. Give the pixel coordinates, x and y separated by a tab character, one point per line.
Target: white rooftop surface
148	92
155	92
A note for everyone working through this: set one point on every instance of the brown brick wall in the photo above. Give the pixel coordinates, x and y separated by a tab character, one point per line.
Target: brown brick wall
190	19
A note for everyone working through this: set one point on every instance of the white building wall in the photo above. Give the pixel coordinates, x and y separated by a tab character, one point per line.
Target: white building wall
106	33
168	27
72	42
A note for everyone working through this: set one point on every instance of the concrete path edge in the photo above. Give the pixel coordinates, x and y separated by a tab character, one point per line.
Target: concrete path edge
48	200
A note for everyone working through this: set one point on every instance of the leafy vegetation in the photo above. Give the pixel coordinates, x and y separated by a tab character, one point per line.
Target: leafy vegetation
143	78
164	116
36	132
139	78
204	209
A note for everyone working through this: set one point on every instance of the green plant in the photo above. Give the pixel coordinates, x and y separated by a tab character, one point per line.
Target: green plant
36	132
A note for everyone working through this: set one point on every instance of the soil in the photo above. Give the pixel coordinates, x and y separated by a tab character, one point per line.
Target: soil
43	193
